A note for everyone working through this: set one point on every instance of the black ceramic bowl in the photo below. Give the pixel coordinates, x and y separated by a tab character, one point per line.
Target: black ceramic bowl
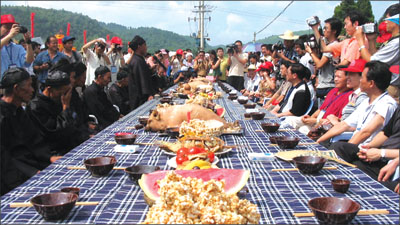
54	206
309	164
172	132
164	94
123	138
247	115
232	97
270	127
257	115
250	105
340	185
273	139
74	190
166	100
288	142
242	101
143	120
135	172
183	96
100	166
332	210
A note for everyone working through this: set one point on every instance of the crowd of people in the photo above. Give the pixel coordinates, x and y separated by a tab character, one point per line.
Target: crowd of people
341	90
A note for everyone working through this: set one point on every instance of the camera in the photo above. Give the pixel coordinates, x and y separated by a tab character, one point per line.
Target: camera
312	21
22	29
49	63
312	42
232	49
278	46
369	28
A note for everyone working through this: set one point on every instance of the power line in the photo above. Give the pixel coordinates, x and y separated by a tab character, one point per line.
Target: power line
274	19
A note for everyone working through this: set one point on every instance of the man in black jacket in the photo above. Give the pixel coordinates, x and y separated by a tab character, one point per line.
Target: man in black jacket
118	93
96	99
23	150
140	84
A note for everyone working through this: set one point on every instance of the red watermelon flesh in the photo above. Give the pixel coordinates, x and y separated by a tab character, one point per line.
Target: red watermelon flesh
220	111
234	179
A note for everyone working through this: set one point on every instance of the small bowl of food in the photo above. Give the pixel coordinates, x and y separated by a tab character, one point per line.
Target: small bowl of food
100	166
288	142
125	138
309	164
172	132
74	190
166	100
274	139
333	210
270	127
340	185
54	206
250	105
143	120
242	100
136	172
257	115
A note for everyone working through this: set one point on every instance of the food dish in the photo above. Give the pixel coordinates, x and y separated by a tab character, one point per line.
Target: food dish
221	152
172	161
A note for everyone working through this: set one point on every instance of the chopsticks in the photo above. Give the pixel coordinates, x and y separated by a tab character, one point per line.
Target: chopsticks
28	204
295	169
280	130
305	143
136	143
84	168
360	213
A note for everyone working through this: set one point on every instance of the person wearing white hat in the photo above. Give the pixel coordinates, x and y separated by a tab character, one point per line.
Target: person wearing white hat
289	53
252	81
95	58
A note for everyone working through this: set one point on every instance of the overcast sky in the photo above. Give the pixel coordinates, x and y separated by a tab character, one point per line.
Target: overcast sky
230	20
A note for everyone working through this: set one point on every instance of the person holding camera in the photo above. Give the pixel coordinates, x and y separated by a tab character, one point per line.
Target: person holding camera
236	62
389	51
287	51
46	59
325	64
177	61
201	65
116	57
13	55
266	50
95	58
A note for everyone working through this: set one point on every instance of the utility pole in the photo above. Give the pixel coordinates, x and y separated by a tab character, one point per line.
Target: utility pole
200	35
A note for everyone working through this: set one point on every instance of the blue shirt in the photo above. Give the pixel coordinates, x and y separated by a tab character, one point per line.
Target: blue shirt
12	54
44	57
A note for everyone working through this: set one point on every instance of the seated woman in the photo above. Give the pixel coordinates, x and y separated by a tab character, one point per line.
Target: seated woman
267	85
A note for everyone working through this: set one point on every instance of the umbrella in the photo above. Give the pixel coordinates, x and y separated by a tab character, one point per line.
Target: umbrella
252	47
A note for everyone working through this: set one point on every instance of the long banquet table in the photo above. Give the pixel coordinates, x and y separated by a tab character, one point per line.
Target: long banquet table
277	194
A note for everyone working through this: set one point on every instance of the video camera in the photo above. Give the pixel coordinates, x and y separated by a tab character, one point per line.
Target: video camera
369	28
22	29
232	49
312	42
278	46
312	21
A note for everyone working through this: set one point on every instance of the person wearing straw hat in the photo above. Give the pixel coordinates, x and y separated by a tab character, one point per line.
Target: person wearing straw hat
13	55
289	53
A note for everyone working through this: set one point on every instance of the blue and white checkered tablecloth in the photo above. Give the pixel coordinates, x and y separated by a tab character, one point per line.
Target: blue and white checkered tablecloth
277	194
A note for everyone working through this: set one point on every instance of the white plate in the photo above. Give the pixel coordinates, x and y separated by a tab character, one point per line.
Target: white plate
226	150
172	161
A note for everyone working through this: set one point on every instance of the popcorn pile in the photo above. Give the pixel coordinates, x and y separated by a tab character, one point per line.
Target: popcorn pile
192	201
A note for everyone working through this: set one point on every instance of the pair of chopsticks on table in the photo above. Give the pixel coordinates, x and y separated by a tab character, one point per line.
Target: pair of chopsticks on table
360	213
28	204
280	130
295	169
136	143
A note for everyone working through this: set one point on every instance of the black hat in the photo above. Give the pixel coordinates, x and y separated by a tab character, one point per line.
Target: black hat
122	74
13	76
57	78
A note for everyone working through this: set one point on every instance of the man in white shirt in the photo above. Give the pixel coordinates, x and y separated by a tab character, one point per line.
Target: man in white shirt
95	59
116	58
237	60
252	81
374	112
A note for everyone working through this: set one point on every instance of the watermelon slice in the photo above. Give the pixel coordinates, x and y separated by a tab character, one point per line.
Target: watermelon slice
235	180
220	112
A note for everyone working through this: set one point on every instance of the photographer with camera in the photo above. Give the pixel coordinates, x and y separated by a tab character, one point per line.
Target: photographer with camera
325	64
177	61
286	51
95	58
266	50
201	65
348	50
116	57
13	55
389	51
236	62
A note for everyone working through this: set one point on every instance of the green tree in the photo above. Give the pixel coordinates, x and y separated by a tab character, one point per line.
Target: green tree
343	8
364	6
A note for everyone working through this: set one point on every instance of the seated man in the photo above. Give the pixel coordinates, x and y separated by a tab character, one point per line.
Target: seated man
392	168
298	98
52	114
369	158
118	92
279	95
23	150
252	81
374	113
96	99
334	102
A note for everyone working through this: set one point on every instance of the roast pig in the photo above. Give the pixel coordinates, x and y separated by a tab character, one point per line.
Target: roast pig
174	115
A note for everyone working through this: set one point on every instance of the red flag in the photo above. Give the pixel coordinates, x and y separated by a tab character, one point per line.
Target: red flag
68	28
108	37
84	36
32	24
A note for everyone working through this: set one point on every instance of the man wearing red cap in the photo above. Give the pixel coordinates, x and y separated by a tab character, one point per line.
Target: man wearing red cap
13	55
116	57
177	61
